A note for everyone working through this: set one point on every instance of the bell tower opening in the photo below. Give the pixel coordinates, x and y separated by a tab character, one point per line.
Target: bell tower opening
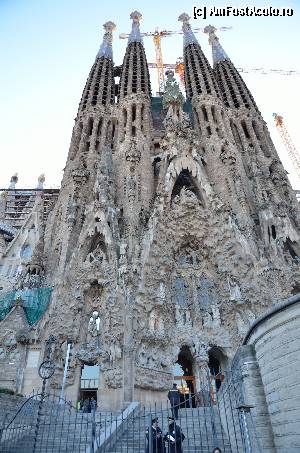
183	376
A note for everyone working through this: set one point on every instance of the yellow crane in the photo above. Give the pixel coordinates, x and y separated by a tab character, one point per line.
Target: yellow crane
159	63
289	145
178	67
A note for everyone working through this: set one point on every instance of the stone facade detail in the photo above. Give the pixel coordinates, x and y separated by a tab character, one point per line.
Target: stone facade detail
160	239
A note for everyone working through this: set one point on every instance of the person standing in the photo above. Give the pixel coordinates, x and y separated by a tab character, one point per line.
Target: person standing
81	405
174	398
174	437
93	405
86	406
156	438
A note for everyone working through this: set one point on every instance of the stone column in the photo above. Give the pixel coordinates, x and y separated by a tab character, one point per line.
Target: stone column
254	395
128	350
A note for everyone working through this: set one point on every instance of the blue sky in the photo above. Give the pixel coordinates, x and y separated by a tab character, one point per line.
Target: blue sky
48	46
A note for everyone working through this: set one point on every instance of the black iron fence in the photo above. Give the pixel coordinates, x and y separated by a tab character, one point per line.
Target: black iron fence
214	417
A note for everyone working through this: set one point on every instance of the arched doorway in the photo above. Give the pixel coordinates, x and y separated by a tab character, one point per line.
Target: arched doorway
217	362
183	376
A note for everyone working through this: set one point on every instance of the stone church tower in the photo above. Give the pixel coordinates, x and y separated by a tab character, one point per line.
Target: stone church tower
168	238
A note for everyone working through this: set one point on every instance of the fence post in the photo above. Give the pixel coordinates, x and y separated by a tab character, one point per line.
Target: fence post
3	426
93	431
150	443
211	409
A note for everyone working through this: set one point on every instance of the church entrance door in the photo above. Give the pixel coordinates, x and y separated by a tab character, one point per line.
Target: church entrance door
88	385
184	377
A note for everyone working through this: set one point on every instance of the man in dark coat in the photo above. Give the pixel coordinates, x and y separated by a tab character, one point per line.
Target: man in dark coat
174	398
174	437
156	437
86	406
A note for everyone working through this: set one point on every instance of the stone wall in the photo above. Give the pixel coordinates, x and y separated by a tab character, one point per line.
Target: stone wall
252	393
269	361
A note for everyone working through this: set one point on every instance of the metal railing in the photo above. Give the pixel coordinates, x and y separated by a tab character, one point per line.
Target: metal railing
202	422
89	383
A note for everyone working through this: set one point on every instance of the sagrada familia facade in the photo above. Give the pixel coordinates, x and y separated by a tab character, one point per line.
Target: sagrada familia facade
174	228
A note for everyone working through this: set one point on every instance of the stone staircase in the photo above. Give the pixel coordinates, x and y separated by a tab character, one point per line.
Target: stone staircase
201	426
61	429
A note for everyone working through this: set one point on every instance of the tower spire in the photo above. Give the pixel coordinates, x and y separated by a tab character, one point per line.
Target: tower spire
135	35
233	89
99	88
93	118
135	77
218	52
106	46
188	35
199	78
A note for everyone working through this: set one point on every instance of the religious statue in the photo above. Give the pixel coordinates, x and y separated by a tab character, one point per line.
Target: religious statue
94	324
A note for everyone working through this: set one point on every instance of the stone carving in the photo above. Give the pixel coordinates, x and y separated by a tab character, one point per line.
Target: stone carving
122	260
186	197
227	154
142	355
242	324
156	323
131	188
162	292
242	327
152	357
114	352
212	320
234	290
133	154
175	120
80	175
182	316
94	324
201	354
180	295
97	254
23	336
72	212
206	293
113	378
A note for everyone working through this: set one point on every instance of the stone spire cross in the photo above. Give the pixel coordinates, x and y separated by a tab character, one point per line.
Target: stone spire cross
218	52
106	46
135	35
188	35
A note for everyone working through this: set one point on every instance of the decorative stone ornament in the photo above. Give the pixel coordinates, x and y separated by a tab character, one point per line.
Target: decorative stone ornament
106	46
218	52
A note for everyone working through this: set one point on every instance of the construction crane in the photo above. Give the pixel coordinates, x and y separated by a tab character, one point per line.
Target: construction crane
159	63
178	67
289	145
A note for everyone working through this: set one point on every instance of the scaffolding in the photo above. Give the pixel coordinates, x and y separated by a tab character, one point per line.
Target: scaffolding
19	204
